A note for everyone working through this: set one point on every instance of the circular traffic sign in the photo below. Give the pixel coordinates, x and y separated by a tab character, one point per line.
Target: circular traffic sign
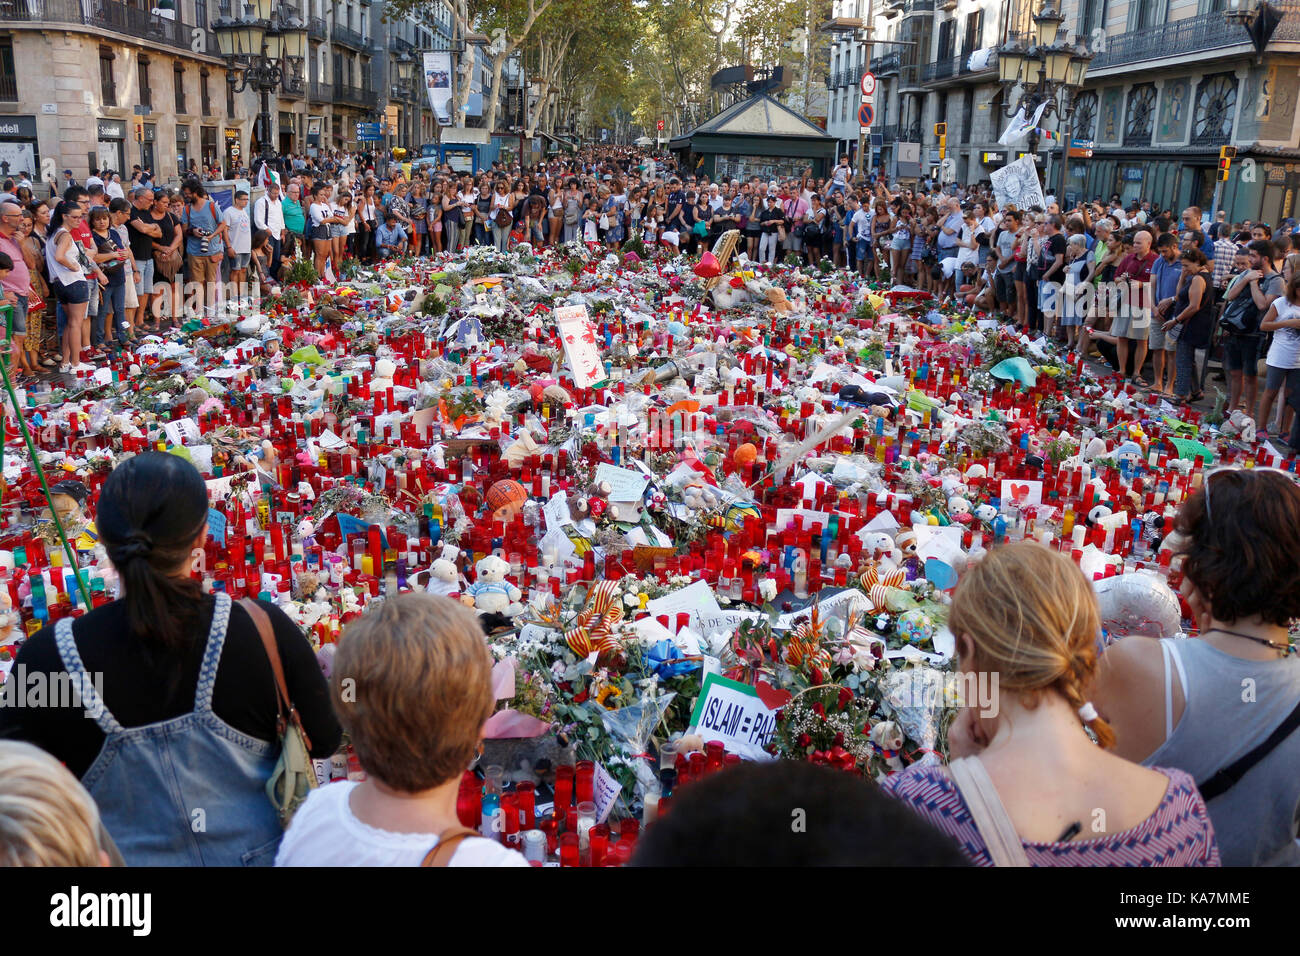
868	84
866	114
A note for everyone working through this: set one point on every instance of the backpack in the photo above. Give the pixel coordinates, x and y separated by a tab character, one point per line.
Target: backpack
1240	315
572	212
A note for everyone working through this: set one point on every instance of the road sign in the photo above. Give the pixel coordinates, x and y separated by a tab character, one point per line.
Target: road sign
866	114
868	84
660	125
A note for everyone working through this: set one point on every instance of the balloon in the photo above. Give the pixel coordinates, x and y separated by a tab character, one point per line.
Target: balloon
1140	602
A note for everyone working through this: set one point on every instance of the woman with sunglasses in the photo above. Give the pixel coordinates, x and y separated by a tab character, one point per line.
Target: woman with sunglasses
1204	704
71	272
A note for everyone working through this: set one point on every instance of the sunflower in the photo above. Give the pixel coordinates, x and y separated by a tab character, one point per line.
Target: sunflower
606	694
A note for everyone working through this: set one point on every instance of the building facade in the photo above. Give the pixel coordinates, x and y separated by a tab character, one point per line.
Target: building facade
1170	82
110	84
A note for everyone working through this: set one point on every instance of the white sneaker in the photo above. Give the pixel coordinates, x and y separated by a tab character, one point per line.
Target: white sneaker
65	368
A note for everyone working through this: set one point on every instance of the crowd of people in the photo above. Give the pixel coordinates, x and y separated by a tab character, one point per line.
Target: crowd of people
1155	735
1134	286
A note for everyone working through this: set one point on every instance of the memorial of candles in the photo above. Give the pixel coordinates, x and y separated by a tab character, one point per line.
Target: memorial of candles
698	529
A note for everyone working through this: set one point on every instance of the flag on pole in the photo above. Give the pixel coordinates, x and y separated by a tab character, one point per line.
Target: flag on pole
1020	125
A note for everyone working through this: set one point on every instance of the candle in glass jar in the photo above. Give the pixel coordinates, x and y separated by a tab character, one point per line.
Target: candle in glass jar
586	820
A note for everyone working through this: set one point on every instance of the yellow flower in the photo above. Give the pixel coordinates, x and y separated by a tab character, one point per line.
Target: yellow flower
605	693
644	599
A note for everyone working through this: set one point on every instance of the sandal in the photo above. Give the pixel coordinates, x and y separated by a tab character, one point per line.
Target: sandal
1140	382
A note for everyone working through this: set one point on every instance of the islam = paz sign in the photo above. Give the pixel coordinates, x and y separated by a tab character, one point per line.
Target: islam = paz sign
732	712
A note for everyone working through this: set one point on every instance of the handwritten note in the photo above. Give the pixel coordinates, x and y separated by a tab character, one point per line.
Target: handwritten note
624	483
217	526
605	793
1021	494
692	600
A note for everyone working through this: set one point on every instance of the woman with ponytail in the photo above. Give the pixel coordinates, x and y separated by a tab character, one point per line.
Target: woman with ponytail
172	726
1026	784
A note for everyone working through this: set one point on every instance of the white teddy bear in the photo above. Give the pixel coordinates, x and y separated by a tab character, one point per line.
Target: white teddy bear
444	578
491	593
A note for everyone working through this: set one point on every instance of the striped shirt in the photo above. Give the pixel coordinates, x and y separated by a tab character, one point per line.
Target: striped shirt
1178	833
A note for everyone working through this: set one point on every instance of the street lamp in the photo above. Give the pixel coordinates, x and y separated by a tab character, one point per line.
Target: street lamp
257	46
1055	68
405	67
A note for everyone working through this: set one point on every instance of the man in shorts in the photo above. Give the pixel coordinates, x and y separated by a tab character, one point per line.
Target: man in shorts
141	232
1134	315
1165	273
16	283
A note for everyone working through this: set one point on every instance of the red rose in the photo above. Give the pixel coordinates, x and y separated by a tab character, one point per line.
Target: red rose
804	740
846	695
580	698
819	710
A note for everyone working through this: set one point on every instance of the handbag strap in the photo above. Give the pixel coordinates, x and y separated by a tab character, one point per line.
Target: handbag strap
1224	780
284	704
449	841
987	812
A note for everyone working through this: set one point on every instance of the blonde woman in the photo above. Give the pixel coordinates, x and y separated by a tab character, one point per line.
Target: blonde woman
1026	786
46	816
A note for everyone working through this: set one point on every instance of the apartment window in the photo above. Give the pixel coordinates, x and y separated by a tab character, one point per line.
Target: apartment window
974	31
1092	16
204	95
8	75
364	32
967	115
178	81
146	93
947	30
107	90
1143	15
336	77
200	13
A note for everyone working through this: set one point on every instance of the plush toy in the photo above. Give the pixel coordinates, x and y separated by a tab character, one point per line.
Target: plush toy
777	300
384	371
887	739
698	495
444	577
593	504
959	510
491	593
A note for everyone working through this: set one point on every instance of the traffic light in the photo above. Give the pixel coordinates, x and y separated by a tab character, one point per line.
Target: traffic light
139	132
1226	156
940	129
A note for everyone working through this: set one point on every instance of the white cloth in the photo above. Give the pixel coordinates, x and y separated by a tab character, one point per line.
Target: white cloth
325	832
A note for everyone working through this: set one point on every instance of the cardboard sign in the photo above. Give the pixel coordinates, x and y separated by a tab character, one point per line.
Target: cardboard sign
578	336
624	483
731	712
1022	494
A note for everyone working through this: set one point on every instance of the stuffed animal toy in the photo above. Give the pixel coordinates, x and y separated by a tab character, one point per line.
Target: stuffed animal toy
887	738
593	504
491	593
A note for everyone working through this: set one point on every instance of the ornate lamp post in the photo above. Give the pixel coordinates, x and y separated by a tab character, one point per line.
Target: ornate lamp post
258	46
1056	69
405	68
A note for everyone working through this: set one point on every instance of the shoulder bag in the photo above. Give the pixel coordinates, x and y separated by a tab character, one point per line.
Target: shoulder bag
293	777
987	812
1224	780
448	843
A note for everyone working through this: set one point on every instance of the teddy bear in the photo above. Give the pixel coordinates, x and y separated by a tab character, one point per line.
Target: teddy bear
887	740
698	495
593	504
491	593
959	510
444	577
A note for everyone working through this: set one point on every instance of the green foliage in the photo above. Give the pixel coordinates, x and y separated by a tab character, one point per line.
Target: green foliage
301	271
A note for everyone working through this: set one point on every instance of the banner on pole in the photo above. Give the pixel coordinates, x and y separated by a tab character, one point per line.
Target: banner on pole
437	79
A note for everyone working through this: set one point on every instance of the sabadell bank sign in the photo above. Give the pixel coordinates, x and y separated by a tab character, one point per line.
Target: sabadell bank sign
24	126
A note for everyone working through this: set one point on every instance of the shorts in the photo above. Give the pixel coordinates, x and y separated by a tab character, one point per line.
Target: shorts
899	245
73	293
1004	286
1158	340
240	260
1018	272
1276	376
337	230
1127	325
20	316
205	269
321	232
1241	353
145	268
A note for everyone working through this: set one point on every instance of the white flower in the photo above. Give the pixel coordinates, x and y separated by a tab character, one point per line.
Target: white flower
767	589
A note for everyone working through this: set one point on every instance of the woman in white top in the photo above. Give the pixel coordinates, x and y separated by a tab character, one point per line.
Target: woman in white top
501	217
557	215
70	268
425	659
1283	359
320	216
